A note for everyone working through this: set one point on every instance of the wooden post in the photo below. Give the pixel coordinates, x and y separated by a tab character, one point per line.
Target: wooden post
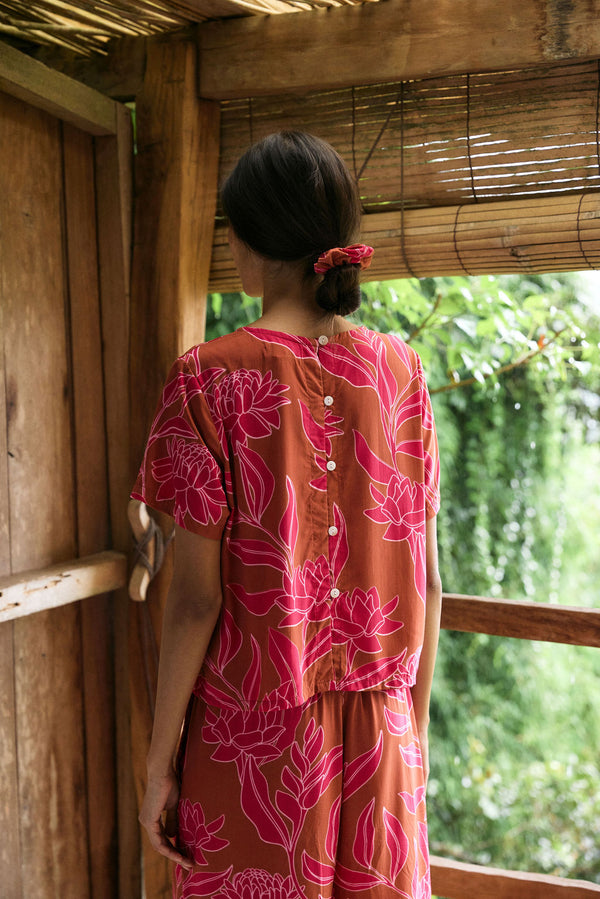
113	167
176	188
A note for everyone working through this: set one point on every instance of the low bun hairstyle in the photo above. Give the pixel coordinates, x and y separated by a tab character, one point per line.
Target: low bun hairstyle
291	197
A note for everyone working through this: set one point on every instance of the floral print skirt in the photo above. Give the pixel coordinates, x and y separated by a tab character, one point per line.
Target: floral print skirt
321	801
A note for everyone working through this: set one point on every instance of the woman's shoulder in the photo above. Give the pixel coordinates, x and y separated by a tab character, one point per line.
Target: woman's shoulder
396	345
223	351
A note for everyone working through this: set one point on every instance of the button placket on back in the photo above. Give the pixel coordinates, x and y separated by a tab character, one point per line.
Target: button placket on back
330	464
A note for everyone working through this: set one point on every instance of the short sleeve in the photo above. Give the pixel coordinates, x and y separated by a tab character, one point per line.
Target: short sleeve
431	457
183	471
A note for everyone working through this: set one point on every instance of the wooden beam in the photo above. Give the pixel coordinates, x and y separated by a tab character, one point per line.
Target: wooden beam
524	620
395	40
36	84
58	585
117	73
457	880
176	193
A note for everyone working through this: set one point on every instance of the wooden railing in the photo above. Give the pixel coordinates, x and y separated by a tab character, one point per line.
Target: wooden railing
57	585
457	880
546	622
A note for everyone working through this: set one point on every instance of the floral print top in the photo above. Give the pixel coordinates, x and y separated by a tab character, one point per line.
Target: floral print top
315	462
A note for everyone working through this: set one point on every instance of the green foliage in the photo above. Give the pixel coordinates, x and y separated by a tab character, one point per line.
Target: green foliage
512	364
228	311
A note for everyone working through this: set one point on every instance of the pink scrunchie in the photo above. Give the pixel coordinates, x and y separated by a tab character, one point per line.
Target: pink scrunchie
357	254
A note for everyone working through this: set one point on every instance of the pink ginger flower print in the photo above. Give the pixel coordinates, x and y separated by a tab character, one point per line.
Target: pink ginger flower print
191	477
254	883
247	404
196	835
403	509
358	619
307	589
258	734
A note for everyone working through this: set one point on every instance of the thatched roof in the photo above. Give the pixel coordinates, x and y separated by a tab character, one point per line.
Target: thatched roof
85	26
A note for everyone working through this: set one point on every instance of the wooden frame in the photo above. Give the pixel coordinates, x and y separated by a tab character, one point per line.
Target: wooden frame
256	56
36	84
97	147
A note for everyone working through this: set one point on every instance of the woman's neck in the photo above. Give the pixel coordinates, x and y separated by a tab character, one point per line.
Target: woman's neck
290	306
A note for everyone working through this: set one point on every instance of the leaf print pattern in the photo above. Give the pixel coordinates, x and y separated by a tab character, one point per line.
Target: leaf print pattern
283	809
325	578
315	465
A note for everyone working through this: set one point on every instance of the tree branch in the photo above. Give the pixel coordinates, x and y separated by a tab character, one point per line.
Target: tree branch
522	360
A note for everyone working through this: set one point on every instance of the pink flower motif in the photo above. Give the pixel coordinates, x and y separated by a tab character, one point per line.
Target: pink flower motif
255	733
358	619
403	509
195	834
254	883
306	592
191	476
247	403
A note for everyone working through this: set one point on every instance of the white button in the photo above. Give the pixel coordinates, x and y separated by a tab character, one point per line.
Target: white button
332	531
322	340
328	400
331	465
334	593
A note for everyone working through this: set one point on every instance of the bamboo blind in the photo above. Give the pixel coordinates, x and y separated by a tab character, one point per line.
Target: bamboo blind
457	175
446	141
550	234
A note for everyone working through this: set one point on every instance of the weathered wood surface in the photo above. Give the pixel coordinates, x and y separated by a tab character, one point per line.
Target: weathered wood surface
58	585
525	620
51	815
396	40
63	97
114	218
10	850
93	529
457	880
176	189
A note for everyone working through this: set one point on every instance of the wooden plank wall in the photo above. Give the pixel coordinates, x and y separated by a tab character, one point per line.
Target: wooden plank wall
57	758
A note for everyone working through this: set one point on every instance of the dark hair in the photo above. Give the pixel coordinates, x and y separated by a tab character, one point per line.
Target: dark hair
291	197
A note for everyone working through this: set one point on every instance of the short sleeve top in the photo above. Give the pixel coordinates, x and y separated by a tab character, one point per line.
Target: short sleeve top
315	463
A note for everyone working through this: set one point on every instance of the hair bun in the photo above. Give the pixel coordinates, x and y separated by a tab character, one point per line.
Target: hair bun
339	291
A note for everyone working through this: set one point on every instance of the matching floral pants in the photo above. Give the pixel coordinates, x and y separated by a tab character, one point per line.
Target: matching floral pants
322	801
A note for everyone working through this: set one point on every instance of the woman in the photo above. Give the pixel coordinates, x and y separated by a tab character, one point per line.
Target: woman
298	458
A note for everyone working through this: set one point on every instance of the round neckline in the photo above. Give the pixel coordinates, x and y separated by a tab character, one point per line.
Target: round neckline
302	337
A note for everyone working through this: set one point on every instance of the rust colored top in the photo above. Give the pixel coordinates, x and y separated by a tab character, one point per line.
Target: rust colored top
315	462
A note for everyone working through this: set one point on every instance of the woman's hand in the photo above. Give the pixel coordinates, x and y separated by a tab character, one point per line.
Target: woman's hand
162	795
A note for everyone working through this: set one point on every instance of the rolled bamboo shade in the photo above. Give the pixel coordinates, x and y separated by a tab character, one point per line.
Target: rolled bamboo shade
464	174
550	234
445	141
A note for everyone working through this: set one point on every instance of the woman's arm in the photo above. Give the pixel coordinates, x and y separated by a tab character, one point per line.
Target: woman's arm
421	691
191	613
